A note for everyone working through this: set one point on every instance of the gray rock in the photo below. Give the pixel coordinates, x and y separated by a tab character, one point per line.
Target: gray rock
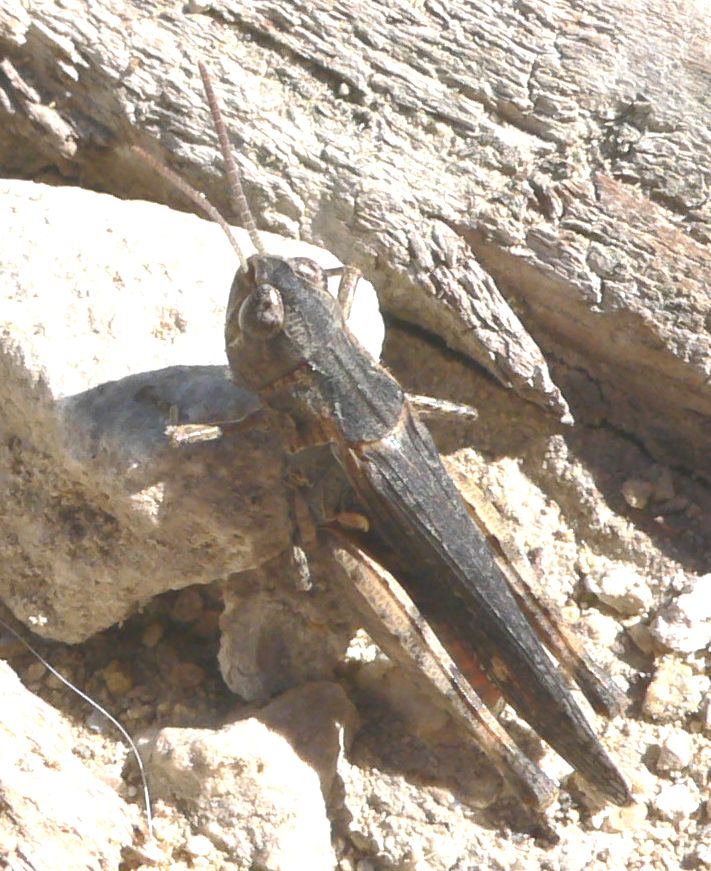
274	637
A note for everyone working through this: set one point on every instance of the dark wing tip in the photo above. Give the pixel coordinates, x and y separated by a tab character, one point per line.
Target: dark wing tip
605	778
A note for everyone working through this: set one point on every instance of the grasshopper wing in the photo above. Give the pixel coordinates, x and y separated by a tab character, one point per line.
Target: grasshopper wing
417	510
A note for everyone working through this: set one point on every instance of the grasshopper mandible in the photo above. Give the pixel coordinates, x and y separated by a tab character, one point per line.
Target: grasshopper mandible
287	340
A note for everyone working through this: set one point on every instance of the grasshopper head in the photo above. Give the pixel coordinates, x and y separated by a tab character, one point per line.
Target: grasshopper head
279	312
279	315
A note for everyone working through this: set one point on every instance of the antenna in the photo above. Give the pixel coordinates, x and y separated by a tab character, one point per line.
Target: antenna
103	712
194	196
238	201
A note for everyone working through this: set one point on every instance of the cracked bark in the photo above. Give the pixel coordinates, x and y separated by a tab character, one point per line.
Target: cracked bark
512	178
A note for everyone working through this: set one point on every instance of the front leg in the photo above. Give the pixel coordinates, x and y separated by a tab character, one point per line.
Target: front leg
350	276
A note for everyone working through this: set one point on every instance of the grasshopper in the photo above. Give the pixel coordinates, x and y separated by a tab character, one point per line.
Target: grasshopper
459	600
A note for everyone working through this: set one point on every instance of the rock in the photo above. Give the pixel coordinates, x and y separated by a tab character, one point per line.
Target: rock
677	801
602	629
703	851
675	751
137	294
576	855
152	634
637	493
684	624
117	678
258	782
626	819
663	484
35	672
319	721
388	818
674	691
188	606
706	714
642	637
187	676
54	810
274	636
622	589
199	845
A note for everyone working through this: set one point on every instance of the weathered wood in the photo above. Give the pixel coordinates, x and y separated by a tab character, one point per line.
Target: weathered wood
557	154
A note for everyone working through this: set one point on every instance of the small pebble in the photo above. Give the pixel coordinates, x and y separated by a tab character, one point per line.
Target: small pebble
152	634
34	672
198	845
675	751
664	484
643	783
637	493
674	691
575	855
622	589
677	801
117	679
187	675
600	628
625	819
642	637
140	712
163	829
684	624
149	853
187	606
53	682
706	714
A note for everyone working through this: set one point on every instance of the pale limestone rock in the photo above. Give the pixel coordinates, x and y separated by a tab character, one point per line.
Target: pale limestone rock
621	588
676	801
674	691
675	751
684	624
136	292
257	788
56	812
274	636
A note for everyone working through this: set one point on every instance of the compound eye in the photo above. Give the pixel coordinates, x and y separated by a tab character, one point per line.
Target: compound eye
262	313
308	270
